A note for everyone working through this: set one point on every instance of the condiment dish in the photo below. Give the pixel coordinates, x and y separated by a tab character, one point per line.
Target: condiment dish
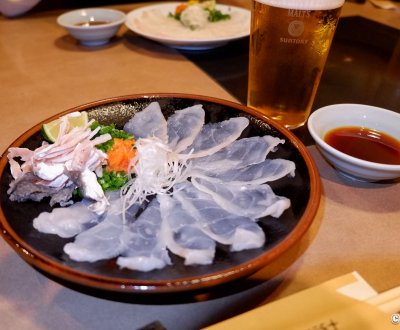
92	26
381	120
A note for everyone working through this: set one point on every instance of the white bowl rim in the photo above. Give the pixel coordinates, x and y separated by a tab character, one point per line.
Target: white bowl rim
119	21
356	161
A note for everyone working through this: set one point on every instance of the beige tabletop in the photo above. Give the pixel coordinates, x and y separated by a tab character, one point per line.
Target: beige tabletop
43	72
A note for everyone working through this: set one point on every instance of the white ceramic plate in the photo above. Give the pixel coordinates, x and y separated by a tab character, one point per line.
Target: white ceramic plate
152	22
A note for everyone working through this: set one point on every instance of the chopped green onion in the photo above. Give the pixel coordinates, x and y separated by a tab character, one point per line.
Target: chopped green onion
113	131
112	180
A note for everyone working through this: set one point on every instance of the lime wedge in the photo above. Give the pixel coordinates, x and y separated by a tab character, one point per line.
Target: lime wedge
51	130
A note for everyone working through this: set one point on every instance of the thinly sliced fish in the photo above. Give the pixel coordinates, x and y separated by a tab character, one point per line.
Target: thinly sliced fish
266	171
252	201
145	245
239	232
103	241
106	240
215	136
183	234
67	221
183	127
238	154
149	122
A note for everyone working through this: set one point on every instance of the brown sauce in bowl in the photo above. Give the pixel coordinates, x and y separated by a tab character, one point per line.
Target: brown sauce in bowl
92	23
365	143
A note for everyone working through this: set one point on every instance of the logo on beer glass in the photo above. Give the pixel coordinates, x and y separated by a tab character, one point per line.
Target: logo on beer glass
296	28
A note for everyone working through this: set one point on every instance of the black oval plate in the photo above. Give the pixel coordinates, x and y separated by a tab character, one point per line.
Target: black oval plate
45	251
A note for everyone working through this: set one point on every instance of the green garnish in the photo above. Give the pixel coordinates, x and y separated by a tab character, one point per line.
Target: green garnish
77	193
215	15
113	180
176	16
113	131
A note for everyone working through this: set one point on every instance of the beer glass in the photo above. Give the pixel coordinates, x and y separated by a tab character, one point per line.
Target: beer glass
289	45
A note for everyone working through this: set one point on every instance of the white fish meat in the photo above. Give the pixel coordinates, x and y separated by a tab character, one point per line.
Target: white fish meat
103	241
215	136
238	154
106	240
239	232
149	122
145	245
252	201
183	234
63	163
183	127
265	171
67	221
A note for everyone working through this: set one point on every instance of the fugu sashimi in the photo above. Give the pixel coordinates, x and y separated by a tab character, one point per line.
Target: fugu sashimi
266	171
117	206
103	241
252	201
238	154
146	248
67	221
239	232
215	136
183	127
149	122
183	234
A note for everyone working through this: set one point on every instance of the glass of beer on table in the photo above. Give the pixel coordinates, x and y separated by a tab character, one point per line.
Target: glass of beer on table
289	45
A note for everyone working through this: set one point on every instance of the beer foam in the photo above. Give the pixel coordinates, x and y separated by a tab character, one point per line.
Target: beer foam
304	4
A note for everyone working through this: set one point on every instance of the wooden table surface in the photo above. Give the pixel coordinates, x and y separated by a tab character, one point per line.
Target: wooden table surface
43	71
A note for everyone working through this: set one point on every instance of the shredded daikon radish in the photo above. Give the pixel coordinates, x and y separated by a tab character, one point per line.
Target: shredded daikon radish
154	170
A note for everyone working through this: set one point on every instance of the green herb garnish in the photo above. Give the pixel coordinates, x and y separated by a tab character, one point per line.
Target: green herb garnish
112	180
176	16
215	15
113	131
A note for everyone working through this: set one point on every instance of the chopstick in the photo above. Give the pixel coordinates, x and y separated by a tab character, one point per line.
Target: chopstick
387	301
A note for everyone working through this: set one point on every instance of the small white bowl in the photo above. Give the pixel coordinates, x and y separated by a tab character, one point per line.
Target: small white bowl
92	35
327	118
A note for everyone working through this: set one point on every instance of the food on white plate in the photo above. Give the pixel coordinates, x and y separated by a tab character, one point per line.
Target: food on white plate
196	14
189	187
163	22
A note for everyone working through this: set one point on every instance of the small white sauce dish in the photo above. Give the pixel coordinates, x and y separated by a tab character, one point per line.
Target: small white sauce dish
330	117
12	8
92	26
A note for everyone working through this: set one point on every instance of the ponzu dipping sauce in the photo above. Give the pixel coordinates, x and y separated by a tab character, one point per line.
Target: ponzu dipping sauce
365	143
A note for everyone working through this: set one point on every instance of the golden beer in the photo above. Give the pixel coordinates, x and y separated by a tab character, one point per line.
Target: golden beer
289	46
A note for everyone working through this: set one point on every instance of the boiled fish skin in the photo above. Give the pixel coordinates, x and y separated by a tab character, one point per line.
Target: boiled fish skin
183	234
145	247
26	187
222	226
252	201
